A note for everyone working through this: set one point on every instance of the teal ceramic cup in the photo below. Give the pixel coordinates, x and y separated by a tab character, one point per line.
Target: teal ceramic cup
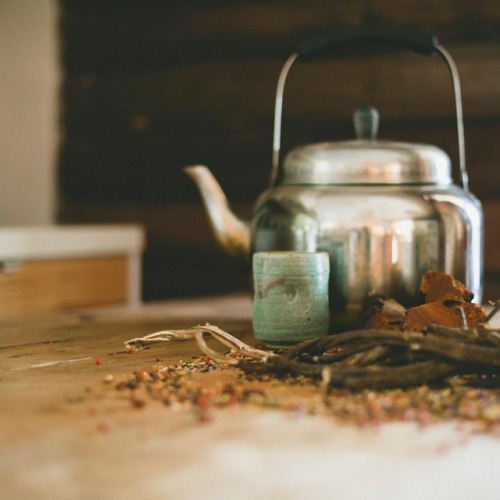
290	302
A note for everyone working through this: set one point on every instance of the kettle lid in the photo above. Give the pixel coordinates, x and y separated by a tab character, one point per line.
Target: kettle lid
367	160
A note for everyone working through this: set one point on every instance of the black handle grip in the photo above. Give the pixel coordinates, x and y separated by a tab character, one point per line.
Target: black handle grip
416	41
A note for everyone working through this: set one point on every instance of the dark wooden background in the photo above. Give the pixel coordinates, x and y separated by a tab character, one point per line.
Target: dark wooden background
151	86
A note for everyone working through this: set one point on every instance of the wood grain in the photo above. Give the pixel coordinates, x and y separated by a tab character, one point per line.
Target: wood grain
153	87
67	432
35	287
155	34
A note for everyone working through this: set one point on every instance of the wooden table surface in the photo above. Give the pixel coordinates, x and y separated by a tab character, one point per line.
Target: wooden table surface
65	432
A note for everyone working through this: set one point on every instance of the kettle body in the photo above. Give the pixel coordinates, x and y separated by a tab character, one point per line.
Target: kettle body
380	238
386	212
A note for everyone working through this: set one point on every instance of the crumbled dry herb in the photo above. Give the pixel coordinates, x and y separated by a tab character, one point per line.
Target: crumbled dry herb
202	386
444	367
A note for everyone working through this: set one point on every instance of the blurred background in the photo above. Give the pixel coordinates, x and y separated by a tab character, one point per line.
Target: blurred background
103	103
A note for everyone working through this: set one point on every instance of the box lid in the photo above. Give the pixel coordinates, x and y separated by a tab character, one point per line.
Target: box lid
70	241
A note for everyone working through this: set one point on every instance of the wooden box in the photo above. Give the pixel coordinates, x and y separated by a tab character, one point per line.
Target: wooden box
55	268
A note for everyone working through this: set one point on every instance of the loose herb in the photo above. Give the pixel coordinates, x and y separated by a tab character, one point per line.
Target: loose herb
365	359
363	377
202	386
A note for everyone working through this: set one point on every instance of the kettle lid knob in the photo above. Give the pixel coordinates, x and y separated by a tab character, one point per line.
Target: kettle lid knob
366	120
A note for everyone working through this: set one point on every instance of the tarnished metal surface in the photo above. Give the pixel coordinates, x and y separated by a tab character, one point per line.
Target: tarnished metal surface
380	238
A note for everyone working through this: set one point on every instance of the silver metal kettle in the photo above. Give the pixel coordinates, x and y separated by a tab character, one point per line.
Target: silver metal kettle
386	212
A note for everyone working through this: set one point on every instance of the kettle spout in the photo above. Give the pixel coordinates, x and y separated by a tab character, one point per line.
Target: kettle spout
232	234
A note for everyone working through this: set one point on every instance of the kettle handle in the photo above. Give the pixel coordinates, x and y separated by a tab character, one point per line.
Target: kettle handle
421	43
414	40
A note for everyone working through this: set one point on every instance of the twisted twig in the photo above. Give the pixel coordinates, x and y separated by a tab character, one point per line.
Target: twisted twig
359	358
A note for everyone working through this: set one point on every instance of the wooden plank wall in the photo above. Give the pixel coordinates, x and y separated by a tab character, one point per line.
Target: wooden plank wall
152	86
